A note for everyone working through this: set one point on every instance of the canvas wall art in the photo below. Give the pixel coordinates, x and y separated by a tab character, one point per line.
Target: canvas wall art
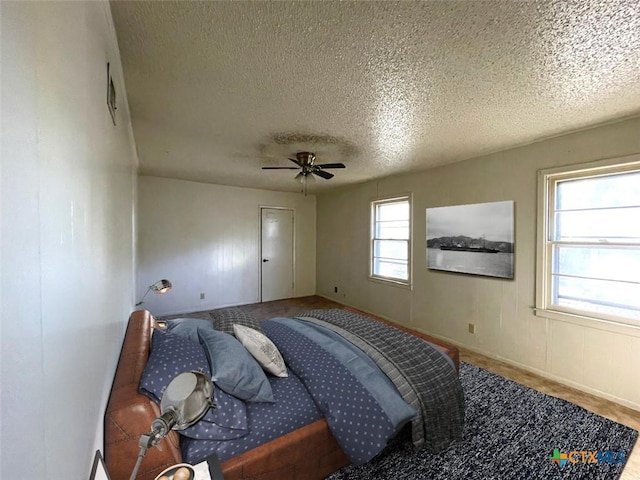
477	239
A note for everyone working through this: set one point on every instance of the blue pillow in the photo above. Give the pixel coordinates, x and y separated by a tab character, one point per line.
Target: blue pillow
233	369
170	356
173	354
188	327
227	421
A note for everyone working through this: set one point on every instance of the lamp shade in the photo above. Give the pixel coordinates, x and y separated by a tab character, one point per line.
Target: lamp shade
187	397
160	287
185	401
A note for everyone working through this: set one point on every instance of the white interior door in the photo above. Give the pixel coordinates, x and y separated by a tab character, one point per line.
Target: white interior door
277	254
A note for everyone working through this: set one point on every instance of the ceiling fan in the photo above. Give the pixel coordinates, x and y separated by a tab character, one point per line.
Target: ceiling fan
305	161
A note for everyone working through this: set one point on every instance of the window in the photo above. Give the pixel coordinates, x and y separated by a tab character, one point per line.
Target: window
391	239
589	253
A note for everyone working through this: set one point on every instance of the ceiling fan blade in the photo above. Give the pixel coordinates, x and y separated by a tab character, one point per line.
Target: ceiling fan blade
331	165
296	161
323	174
280	168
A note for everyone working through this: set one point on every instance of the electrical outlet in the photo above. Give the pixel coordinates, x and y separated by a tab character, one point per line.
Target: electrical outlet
472	328
202	296
335	289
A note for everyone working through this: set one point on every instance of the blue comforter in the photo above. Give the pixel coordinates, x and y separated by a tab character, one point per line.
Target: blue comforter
335	360
362	407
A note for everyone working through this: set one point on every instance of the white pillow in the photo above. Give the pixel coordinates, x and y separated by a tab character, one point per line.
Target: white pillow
262	349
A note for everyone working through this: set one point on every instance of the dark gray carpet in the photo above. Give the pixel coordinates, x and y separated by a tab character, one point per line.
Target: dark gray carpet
510	433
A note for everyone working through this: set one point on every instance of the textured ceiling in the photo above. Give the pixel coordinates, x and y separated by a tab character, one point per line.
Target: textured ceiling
219	89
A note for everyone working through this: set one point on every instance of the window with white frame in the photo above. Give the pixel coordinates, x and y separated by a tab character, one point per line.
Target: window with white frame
589	241
391	239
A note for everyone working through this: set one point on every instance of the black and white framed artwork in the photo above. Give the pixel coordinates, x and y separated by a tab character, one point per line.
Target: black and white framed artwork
477	239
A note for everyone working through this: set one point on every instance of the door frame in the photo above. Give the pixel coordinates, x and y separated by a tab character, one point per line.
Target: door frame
293	251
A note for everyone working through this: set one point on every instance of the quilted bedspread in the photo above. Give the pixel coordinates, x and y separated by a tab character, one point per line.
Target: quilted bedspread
423	374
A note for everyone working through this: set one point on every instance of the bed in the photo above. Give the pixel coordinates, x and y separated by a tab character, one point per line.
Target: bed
315	446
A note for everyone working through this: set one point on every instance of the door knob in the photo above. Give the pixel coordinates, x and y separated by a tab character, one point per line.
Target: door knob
265	260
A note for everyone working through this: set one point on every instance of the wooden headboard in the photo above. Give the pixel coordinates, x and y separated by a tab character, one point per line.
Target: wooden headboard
129	414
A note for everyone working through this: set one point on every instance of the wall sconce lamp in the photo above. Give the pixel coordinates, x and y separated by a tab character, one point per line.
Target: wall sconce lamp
185	401
160	287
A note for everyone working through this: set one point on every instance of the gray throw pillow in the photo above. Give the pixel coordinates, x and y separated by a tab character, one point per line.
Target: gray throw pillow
225	318
262	349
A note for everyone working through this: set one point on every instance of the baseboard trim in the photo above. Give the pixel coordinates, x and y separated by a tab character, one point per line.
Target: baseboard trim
542	373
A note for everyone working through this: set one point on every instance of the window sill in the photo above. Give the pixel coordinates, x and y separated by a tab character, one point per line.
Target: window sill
590	322
390	282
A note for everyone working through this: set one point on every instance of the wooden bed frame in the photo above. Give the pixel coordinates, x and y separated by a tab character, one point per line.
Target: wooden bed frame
308	453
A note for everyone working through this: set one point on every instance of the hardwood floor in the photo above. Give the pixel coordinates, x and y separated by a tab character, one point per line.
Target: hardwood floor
600	406
289	307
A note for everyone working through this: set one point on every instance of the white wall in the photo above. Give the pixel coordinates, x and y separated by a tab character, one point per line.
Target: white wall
440	303
68	196
205	238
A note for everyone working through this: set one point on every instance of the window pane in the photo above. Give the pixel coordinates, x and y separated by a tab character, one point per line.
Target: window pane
592	254
617	190
613	225
393	211
391	237
602	263
613	298
391	249
391	269
398	230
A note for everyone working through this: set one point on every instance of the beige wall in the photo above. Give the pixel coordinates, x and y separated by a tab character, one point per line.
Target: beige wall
443	304
206	239
68	213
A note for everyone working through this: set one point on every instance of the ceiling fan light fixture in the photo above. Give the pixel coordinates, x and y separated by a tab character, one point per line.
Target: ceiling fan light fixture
306	158
308	168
